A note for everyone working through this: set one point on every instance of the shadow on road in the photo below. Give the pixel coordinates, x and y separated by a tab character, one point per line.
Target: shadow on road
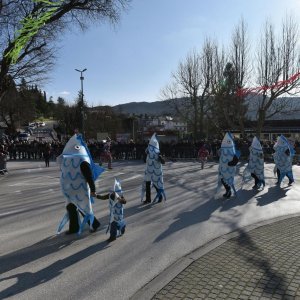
254	258
274	194
189	218
28	280
36	251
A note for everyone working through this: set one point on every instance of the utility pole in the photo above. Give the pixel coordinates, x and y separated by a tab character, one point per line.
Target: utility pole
81	129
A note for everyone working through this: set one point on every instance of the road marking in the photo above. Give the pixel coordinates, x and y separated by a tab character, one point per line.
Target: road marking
132	177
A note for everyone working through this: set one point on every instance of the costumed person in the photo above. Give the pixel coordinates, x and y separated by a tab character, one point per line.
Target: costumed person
78	175
255	167
153	172
227	164
203	155
117	224
107	152
283	158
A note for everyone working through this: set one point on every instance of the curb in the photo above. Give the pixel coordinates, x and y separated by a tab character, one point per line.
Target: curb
148	291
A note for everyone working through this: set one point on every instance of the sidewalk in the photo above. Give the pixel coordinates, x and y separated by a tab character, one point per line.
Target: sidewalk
260	263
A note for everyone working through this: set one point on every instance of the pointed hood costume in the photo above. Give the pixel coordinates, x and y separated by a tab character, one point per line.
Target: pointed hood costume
283	158
73	184
227	154
256	163
153	171
115	207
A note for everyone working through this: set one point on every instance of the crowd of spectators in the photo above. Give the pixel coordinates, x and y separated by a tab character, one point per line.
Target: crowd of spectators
36	150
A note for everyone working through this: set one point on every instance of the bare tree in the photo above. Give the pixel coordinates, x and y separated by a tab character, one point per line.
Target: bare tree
192	83
229	106
186	84
28	30
277	68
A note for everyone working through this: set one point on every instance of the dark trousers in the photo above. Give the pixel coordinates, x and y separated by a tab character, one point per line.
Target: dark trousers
256	180
226	186
114	227
289	177
73	216
148	192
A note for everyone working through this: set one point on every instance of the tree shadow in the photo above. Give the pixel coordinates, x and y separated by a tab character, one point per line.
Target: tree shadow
242	197
189	218
252	254
28	280
36	251
274	194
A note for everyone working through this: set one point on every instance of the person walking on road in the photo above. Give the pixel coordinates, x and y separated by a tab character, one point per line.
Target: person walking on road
153	172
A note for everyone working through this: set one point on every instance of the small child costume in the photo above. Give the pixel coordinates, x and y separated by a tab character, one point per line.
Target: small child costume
153	172
78	173
227	165
255	167
283	158
116	207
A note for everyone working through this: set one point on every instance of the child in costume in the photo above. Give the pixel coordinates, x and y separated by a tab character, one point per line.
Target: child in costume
255	167
283	158
116	206
153	172
78	175
227	164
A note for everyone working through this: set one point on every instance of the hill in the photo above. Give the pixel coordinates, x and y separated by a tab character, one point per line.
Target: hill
150	108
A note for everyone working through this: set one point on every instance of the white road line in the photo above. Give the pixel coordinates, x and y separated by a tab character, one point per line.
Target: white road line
132	177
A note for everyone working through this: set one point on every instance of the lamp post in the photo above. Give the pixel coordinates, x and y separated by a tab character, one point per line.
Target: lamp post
81	129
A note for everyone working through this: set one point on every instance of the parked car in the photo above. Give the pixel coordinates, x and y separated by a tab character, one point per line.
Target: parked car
41	124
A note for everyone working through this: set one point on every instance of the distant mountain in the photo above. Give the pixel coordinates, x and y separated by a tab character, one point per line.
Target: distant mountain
150	108
289	108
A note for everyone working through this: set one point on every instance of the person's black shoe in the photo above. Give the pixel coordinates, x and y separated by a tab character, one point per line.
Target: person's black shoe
95	227
111	239
146	202
255	187
122	230
291	182
228	194
70	232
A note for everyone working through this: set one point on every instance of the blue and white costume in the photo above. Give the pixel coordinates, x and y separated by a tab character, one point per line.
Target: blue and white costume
227	165
117	224
153	172
116	208
74	185
255	167
283	158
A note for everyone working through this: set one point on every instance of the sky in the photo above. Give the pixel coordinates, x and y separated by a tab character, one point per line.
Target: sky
134	60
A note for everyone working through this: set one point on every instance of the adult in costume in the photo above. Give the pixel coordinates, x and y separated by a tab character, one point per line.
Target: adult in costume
227	164
283	158
117	224
153	172
78	173
203	155
255	167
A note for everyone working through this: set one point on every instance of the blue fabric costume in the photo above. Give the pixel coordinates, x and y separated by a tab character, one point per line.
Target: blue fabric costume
255	167
74	186
227	165
153	171
283	158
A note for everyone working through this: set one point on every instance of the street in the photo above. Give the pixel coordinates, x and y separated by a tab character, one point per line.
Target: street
36	263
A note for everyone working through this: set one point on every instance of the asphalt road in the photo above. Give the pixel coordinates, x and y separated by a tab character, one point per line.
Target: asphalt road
35	263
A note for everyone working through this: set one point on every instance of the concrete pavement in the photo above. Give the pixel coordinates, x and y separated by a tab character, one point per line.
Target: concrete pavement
261	261
160	242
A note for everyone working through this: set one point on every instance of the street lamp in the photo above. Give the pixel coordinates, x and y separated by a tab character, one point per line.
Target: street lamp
81	129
